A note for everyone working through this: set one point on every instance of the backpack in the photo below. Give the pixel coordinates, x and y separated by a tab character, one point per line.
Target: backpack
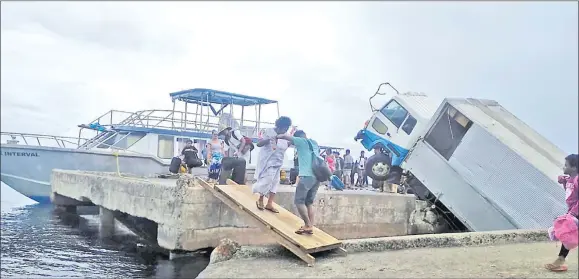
319	166
247	141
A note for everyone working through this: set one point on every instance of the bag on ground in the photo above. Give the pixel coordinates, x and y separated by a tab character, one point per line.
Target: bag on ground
175	165
194	163
336	183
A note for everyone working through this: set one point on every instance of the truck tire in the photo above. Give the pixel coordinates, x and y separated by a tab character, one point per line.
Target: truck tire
378	166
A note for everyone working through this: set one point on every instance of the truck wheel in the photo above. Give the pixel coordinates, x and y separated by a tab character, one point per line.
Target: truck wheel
378	167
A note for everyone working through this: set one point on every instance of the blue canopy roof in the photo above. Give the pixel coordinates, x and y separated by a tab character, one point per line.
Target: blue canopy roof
202	95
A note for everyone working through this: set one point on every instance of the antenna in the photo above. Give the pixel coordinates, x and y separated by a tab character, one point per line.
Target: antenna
379	93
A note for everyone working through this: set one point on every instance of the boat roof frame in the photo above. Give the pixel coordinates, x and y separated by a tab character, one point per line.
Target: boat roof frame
203	96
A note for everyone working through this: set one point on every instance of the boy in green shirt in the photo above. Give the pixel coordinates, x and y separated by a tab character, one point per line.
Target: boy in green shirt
308	185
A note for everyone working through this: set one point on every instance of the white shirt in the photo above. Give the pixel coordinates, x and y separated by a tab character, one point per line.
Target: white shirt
234	144
362	163
348	162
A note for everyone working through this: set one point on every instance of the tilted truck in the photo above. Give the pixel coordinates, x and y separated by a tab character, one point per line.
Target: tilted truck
479	165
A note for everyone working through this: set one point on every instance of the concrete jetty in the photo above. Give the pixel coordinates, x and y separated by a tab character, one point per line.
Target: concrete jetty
499	254
188	217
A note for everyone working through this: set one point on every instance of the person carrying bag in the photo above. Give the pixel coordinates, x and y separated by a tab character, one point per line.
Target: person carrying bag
239	151
312	170
320	167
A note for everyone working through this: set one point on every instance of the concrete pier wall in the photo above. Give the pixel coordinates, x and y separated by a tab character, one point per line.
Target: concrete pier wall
107	222
190	218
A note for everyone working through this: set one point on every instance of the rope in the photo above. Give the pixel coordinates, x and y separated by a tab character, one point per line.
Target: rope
116	154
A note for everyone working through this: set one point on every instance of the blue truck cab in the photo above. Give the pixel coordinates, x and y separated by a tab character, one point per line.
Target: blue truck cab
395	128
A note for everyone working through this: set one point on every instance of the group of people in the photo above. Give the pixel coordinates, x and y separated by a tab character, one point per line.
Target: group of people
224	163
228	158
224	158
351	172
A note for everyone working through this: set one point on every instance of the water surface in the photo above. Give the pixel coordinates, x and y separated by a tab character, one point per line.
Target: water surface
37	242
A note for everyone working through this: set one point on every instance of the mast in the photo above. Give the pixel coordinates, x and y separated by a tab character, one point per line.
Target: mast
173	116
259	117
185	115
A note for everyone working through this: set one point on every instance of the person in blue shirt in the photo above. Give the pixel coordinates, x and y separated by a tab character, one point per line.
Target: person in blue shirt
308	185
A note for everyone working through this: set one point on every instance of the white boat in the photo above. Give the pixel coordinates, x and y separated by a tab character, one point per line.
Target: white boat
142	142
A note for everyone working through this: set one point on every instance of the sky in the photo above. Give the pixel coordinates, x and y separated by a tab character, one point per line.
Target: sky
65	63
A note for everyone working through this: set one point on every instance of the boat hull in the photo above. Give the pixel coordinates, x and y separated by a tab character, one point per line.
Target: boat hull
27	169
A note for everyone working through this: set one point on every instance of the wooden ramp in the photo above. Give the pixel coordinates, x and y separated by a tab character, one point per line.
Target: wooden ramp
281	226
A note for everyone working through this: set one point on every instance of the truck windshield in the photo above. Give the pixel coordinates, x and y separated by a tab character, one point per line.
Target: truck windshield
395	113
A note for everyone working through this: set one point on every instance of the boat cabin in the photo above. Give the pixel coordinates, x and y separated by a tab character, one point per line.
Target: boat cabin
163	133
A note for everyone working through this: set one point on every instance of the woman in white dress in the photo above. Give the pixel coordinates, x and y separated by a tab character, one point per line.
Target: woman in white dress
270	161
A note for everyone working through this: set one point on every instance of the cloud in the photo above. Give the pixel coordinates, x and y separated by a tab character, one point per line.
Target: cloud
64	63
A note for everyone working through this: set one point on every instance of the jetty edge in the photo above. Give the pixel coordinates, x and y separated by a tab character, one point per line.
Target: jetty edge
496	254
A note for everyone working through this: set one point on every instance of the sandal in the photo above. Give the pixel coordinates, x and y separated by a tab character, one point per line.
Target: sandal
556	268
272	209
302	231
259	206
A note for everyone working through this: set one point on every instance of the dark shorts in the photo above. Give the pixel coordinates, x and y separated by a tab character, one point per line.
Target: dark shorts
306	190
234	167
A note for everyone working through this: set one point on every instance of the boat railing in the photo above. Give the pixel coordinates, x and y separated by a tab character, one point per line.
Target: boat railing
115	148
184	121
41	140
57	141
112	117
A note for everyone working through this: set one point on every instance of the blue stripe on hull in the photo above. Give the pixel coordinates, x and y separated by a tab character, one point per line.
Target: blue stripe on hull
32	189
41	199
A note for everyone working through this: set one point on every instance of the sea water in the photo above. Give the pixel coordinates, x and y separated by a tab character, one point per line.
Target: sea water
38	242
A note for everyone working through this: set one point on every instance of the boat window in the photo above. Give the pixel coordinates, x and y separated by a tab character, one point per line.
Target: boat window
132	139
128	141
166	147
394	112
379	126
448	132
110	140
122	140
409	125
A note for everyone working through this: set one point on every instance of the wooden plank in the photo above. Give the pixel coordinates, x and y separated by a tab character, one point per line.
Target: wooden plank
319	241
285	222
243	212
